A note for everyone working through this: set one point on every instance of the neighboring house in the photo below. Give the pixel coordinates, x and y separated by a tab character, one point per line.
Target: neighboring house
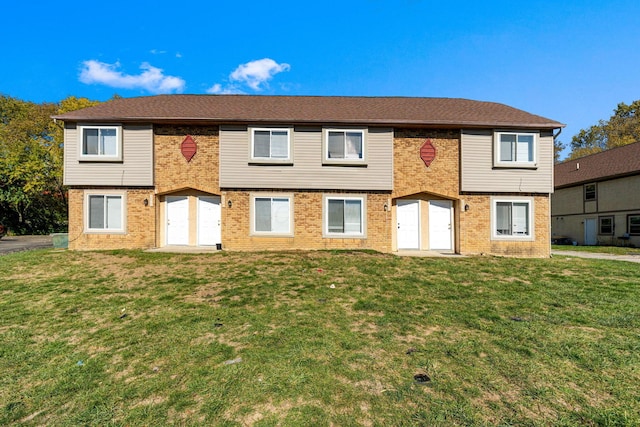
301	172
597	198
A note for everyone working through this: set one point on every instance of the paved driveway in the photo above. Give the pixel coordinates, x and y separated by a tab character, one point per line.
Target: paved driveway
579	254
24	243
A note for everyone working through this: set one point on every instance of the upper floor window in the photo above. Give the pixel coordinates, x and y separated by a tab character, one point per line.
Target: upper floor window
344	146
270	145
512	218
515	149
590	192
100	142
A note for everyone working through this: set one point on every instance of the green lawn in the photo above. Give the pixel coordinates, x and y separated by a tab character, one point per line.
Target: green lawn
317	338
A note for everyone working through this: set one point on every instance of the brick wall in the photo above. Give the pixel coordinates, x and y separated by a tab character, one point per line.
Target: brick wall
411	176
173	172
140	230
475	230
308	225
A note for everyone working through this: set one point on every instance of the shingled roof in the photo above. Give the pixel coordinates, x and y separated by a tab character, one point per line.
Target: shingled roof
614	163
445	112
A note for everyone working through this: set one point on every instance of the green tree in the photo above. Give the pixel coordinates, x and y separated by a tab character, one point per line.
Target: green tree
622	128
32	196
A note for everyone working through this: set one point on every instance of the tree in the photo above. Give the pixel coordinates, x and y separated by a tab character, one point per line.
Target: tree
32	196
622	128
558	146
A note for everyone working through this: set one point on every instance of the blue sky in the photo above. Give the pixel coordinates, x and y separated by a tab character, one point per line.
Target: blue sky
571	61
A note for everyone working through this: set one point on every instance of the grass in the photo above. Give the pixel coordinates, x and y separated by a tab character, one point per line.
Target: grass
613	250
317	338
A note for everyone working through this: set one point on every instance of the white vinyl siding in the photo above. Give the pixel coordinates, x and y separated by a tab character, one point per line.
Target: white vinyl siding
344	216
272	214
306	170
512	218
105	212
479	173
134	169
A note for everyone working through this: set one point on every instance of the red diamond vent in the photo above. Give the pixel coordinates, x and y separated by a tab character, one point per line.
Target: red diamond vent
188	148
427	152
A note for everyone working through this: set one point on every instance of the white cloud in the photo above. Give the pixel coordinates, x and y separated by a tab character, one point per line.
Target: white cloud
151	79
256	73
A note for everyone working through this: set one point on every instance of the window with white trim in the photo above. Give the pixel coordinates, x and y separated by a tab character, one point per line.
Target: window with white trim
344	145
270	144
100	142
515	149
272	215
633	224
344	216
105	212
512	218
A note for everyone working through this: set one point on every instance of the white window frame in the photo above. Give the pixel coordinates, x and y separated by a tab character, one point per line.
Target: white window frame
271	196
345	160
363	216
494	219
515	163
123	216
270	159
99	157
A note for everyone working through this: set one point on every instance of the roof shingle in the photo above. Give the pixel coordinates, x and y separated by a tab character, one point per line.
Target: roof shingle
619	161
311	109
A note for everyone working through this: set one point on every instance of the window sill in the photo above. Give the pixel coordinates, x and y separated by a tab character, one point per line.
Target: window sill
515	166
267	162
99	159
350	163
268	234
343	236
120	232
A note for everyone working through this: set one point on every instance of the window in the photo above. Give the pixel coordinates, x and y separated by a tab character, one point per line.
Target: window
590	192
344	216
515	149
100	142
634	224
605	225
272	215
344	146
512	218
105	212
270	144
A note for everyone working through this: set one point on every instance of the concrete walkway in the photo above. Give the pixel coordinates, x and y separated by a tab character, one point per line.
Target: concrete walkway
592	255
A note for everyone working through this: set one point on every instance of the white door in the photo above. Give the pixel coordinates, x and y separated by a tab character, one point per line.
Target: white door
209	221
440	229
178	220
408	222
590	232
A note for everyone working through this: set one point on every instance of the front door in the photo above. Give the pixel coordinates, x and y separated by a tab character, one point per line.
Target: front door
209	221
440	230
178	220
590	230
408	215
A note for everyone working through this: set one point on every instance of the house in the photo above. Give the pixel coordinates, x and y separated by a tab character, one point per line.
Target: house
302	172
596	199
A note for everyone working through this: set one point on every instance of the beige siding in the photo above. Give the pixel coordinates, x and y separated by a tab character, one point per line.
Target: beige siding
135	169
307	171
478	173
